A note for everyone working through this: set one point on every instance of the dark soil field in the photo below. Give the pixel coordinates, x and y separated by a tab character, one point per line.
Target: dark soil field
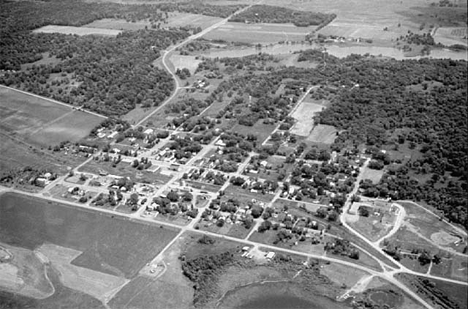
110	244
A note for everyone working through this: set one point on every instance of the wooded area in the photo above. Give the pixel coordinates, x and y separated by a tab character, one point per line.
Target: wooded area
281	15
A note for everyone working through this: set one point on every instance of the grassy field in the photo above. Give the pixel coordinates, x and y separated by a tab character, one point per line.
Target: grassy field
181	62
77	30
178	19
172	289
40	121
373	175
261	130
110	244
440	294
304	118
322	134
258	33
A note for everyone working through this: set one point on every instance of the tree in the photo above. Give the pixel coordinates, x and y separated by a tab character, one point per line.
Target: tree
187	196
173	196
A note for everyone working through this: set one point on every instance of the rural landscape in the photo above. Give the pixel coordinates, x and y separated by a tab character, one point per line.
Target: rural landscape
237	154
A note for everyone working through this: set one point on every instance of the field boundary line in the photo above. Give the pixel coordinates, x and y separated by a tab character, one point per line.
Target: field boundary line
53	101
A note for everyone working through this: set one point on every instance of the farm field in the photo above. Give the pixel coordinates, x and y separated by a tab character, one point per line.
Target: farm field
94	283
110	244
304	118
77	30
40	121
117	24
451	36
178	19
258	33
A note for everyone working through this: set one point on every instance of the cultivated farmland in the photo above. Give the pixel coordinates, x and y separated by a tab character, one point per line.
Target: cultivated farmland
77	30
258	33
191	20
40	121
110	245
117	24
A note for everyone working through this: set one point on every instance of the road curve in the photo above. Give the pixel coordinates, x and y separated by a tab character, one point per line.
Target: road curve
174	47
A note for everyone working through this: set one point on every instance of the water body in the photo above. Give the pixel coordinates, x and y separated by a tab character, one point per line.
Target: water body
335	50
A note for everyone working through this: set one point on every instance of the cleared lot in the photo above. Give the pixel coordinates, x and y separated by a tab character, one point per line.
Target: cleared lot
76	30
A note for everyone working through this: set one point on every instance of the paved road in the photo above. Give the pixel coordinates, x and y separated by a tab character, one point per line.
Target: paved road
174	47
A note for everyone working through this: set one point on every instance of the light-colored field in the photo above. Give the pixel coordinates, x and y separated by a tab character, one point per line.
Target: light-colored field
97	284
258	33
76	30
373	175
188	62
304	118
451	36
40	121
187	19
323	134
117	24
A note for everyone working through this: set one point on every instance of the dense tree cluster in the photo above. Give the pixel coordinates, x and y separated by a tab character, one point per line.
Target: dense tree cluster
275	14
203	271
110	75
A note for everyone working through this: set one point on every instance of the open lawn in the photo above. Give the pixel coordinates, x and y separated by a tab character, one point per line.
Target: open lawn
110	244
77	30
322	133
373	175
304	118
41	121
258	33
341	274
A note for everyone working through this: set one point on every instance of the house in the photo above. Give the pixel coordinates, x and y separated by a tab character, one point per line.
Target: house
112	135
220	143
148	131
270	255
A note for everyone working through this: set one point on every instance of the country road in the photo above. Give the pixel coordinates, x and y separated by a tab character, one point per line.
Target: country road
174	47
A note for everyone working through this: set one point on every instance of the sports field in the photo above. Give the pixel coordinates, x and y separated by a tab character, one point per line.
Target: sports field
76	30
40	121
258	33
